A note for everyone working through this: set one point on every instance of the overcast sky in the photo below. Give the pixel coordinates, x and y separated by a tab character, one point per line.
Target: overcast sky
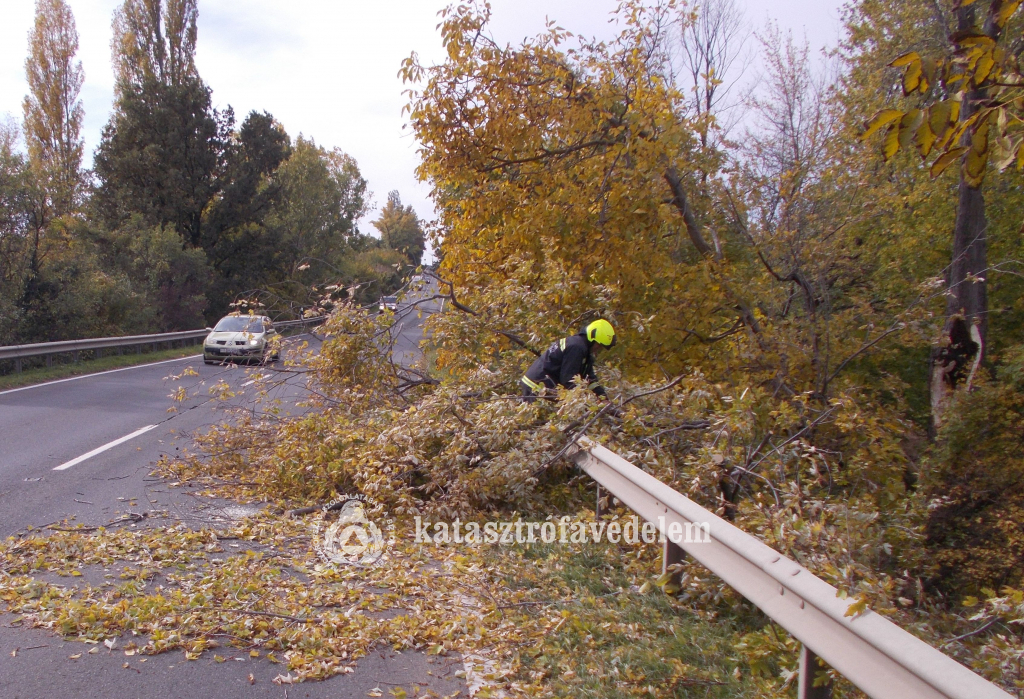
328	68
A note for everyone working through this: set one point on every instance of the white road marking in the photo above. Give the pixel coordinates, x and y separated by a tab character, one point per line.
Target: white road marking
98	373
68	464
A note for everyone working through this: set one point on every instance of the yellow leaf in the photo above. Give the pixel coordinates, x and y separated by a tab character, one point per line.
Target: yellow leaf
1005	152
944	160
905	59
912	78
924	138
664	579
908	127
983	68
977	156
928	69
879	120
857	607
1006	11
939	117
891	144
399	693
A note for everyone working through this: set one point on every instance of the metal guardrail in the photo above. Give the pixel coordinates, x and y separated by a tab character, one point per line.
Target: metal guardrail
876	655
48	349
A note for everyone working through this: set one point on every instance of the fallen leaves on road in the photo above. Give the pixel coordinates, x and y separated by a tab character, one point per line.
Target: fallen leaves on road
515	615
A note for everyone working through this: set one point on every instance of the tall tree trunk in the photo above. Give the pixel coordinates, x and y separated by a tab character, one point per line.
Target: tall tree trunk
965	332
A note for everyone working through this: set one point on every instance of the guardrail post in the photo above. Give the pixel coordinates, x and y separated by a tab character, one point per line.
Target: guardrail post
17	364
809	669
99	353
599	509
74	356
671	554
49	361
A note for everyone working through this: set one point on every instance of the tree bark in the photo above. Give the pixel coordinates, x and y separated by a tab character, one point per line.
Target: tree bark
965	332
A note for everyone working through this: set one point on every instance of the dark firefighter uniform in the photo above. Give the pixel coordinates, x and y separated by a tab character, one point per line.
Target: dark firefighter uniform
566	360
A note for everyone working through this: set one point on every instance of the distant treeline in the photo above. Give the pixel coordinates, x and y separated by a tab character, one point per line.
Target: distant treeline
186	214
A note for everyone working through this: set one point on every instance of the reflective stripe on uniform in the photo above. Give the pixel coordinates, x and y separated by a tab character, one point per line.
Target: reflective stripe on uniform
561	344
533	385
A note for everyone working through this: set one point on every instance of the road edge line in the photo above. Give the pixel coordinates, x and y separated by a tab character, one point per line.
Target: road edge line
97	373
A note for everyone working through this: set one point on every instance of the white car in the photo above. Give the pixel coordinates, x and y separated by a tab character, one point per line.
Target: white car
388	303
238	337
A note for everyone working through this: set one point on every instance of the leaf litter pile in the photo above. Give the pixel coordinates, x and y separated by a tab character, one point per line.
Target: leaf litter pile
530	619
552	619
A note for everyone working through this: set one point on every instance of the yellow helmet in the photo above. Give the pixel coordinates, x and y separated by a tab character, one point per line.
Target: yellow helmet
601	332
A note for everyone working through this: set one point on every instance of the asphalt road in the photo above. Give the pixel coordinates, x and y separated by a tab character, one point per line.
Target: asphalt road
48	431
83	449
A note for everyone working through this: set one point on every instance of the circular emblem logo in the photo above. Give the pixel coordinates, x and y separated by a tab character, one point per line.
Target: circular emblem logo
350	531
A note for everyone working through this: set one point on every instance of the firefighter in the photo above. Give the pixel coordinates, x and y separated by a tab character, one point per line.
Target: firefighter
566	360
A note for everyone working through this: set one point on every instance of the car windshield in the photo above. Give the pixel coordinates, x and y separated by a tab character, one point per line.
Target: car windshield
389	299
238	324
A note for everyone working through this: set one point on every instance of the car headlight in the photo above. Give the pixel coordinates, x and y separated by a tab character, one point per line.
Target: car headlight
254	342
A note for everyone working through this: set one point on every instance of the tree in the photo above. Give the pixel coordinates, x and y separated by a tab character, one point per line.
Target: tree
400	229
163	151
249	189
968	112
243	250
294	230
53	110
168	284
701	53
155	40
323	196
14	225
162	156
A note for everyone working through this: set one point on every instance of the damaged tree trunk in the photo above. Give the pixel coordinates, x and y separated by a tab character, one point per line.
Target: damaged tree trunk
962	346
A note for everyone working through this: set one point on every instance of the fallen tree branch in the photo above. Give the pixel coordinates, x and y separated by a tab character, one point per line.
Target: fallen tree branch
466	309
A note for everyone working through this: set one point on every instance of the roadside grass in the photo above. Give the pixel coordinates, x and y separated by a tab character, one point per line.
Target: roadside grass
91	366
609	636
